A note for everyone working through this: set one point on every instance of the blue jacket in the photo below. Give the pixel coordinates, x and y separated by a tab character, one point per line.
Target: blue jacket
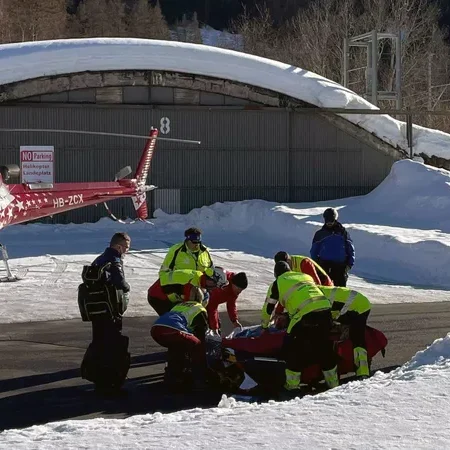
334	245
174	320
178	321
115	273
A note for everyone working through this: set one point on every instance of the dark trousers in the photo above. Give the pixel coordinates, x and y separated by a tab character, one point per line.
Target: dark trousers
309	343
107	360
106	331
179	344
336	271
357	327
160	306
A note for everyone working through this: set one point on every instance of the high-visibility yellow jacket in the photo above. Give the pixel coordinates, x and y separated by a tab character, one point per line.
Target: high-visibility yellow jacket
298	294
189	317
344	300
308	266
180	257
173	282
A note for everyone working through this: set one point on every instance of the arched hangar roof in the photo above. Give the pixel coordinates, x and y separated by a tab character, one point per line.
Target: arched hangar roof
31	60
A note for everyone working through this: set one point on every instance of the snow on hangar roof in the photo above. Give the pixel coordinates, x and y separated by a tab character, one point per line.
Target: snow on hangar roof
29	60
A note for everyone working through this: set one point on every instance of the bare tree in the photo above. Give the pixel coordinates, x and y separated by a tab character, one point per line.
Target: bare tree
99	18
313	40
259	34
30	20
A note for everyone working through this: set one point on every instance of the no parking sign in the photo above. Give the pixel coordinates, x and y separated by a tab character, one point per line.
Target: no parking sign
37	163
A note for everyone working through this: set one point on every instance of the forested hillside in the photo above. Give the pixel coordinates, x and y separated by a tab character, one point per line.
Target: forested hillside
304	33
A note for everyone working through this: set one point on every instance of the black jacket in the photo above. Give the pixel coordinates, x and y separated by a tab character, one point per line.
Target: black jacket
114	274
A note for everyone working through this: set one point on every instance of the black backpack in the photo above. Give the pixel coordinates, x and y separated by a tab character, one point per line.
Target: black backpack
97	297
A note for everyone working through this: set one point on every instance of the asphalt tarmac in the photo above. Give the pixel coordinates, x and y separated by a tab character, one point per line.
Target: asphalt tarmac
40	378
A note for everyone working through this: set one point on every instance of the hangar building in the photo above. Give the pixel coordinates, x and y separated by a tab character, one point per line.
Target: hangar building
254	143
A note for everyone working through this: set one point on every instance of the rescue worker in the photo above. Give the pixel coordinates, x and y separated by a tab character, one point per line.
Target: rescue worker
352	308
182	331
333	249
237	282
169	290
189	254
103	298
308	334
306	265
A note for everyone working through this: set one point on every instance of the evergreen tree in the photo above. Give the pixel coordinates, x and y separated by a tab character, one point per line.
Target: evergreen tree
146	21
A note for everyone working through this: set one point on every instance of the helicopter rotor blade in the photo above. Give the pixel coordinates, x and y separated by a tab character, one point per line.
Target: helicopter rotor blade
97	133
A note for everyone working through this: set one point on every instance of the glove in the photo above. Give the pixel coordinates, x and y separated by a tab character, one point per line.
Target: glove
125	299
214	334
237	324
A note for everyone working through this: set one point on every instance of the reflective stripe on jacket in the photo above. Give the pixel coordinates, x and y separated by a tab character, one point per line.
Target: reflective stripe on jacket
306	265
181	316
344	299
299	295
180	257
173	283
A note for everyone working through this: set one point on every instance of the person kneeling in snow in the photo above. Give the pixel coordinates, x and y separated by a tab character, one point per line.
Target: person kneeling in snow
237	282
182	331
308	334
169	290
352	308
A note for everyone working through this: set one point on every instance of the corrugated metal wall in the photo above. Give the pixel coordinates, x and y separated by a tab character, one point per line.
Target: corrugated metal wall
266	154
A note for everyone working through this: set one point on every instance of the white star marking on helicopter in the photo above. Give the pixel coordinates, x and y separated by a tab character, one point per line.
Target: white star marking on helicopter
20	205
28	203
10	212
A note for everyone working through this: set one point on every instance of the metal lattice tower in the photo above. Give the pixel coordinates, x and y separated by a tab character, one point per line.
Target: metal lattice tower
370	42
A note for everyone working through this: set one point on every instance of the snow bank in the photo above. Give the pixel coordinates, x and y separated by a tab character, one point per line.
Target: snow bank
399	230
28	60
408	408
414	194
393	228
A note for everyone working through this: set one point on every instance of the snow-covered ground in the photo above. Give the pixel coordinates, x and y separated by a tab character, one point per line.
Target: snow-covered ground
401	233
406	409
402	238
27	60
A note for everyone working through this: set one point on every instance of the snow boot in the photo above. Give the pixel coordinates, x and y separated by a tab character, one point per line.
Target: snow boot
331	377
361	362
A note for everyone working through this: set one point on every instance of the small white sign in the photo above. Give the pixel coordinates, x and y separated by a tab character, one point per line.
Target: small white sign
37	163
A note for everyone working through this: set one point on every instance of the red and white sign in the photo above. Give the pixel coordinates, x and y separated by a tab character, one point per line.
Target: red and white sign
37	163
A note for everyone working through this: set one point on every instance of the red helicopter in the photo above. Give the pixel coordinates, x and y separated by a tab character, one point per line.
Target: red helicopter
20	203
